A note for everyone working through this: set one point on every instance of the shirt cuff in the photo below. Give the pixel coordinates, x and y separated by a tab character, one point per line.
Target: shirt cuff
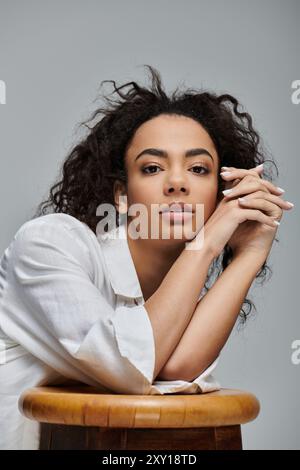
134	335
204	383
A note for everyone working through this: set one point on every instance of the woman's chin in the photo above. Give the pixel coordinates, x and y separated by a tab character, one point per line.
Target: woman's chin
177	234
166	230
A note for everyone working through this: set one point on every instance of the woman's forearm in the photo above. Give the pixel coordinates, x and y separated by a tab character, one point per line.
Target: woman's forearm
213	320
169	309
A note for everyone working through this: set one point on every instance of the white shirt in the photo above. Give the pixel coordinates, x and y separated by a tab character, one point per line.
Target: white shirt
71	306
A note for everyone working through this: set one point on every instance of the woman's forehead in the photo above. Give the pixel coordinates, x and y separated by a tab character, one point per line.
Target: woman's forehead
171	135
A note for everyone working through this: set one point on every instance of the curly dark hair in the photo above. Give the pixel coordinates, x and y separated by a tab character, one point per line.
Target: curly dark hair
97	161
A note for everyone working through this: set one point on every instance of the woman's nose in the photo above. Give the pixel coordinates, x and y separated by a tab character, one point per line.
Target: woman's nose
176	184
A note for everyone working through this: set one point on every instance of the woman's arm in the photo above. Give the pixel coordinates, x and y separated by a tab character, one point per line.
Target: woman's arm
185	351
213	320
170	309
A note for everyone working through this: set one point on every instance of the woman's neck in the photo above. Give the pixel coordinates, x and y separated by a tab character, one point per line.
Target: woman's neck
152	260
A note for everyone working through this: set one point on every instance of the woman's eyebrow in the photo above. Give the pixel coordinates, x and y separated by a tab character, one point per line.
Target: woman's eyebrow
162	153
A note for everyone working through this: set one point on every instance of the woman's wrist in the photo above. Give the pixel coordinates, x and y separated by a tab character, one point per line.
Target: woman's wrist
201	245
254	258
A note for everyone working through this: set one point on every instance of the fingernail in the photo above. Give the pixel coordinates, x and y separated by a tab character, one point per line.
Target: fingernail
242	199
224	167
225	173
280	189
260	166
276	222
226	191
290	204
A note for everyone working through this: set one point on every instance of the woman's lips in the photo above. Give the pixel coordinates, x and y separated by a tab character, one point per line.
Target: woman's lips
177	216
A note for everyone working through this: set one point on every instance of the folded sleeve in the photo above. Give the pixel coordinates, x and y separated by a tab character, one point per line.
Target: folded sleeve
205	382
52	307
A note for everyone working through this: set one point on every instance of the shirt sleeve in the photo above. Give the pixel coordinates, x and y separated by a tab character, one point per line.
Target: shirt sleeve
54	310
204	383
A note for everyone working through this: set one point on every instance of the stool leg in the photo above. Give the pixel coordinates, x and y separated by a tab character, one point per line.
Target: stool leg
228	438
60	437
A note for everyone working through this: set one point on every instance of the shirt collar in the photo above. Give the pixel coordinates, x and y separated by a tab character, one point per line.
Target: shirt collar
121	268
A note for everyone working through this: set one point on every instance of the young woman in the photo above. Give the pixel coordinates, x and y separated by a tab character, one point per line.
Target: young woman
136	314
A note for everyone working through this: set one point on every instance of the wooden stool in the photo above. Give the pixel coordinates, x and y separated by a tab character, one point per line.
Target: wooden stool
80	417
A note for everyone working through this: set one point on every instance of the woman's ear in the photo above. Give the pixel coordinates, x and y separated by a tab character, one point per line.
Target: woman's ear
120	197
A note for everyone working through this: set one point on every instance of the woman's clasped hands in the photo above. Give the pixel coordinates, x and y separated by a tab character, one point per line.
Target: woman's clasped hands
248	215
262	202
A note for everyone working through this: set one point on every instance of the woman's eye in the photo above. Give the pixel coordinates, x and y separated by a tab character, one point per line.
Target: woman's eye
201	167
147	168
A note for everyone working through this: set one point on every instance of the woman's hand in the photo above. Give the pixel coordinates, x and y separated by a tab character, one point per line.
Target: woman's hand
260	195
247	227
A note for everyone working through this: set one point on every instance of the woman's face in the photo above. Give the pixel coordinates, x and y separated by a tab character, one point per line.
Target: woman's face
155	179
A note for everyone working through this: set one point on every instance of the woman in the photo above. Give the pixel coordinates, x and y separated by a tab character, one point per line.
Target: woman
126	313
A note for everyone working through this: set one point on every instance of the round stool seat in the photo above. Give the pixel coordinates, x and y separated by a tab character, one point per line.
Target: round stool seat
85	406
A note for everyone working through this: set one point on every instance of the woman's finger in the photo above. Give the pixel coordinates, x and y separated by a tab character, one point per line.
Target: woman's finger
269	208
255	185
258	172
285	205
258	216
233	182
258	169
238	173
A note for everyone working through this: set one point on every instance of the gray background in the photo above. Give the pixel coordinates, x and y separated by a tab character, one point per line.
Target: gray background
53	56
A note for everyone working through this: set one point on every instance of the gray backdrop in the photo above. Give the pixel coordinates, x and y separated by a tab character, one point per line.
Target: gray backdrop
53	56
